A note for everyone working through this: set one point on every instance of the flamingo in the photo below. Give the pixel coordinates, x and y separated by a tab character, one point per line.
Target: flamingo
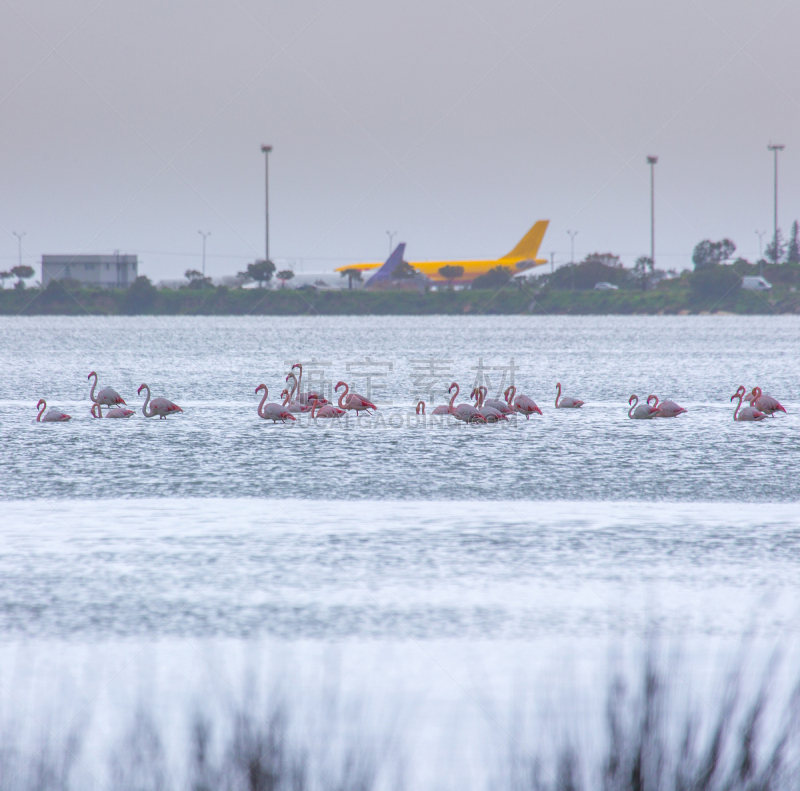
306	398
465	412
666	408
354	401
108	396
325	410
272	411
158	406
522	403
748	412
447	409
53	416
115	412
567	402
420	408
491	414
764	402
495	403
642	411
290	403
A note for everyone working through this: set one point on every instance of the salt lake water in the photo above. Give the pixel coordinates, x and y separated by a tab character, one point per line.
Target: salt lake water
431	569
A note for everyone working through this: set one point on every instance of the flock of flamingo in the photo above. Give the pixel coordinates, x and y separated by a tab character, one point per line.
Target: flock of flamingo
484	410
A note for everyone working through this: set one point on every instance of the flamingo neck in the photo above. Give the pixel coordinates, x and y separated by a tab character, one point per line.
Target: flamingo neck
41	411
558	393
314	407
341	397
421	405
455	395
146	402
635	400
94	384
738	406
512	391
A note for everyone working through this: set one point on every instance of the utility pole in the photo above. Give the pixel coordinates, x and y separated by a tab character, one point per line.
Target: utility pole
652	162
204	235
775	148
265	150
552	264
760	235
572	235
19	246
391	235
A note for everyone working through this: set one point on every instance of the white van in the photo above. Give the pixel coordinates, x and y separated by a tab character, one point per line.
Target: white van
756	283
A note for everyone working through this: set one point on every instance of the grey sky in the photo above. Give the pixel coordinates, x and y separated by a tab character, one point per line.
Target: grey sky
455	123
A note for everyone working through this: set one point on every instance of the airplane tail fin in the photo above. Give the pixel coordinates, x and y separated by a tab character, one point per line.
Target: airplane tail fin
528	246
385	272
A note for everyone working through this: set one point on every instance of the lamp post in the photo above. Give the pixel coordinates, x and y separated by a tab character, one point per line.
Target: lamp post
265	150
652	162
19	246
774	147
760	235
204	235
572	235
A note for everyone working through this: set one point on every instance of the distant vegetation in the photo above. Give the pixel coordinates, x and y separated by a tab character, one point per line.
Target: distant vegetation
712	286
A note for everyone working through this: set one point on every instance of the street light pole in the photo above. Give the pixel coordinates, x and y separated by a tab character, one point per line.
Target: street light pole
775	148
19	246
572	235
265	150
204	235
652	162
391	235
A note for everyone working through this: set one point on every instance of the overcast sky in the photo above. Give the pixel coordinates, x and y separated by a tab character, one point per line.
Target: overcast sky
456	123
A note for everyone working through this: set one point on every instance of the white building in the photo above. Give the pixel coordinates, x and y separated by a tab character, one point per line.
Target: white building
106	271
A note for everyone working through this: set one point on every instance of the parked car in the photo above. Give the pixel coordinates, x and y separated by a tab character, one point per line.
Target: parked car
603	286
756	283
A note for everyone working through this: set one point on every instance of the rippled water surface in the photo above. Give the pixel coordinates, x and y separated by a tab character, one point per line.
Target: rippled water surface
220	448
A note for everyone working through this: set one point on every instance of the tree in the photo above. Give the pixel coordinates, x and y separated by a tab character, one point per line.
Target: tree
196	279
22	273
451	273
351	275
707	253
260	271
141	295
404	271
643	270
3	277
285	275
595	268
494	278
793	253
774	252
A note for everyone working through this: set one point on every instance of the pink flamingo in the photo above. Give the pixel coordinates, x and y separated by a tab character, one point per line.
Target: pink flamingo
764	402
495	403
491	414
354	401
115	412
325	410
666	408
158	406
53	416
420	408
306	398
567	402
642	411
290	403
447	409
747	413
522	403
465	412
108	396
273	411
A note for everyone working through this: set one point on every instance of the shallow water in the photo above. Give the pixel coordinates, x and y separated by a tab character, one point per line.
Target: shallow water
220	448
429	572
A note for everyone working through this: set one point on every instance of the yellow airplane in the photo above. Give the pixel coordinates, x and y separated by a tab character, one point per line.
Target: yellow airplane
523	256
